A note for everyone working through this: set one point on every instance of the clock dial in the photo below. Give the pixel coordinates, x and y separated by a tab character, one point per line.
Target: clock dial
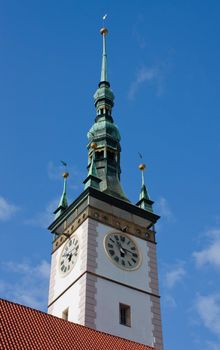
69	255
122	251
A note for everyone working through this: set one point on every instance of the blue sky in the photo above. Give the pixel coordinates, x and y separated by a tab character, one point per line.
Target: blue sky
163	59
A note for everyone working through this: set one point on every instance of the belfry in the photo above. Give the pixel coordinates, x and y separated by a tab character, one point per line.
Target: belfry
104	267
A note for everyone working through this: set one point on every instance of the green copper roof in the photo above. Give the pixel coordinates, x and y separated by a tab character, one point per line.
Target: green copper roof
104	97
104	59
144	199
92	179
105	134
104	128
63	204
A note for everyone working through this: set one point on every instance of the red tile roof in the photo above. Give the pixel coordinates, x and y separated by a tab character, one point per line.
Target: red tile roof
28	329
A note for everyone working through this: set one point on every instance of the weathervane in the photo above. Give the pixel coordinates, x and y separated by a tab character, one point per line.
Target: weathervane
65	174
104	18
142	167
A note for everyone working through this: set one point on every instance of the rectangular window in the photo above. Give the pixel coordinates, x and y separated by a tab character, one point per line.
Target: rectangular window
65	314
125	315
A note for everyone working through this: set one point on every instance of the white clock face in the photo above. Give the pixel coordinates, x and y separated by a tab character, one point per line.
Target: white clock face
69	255
122	251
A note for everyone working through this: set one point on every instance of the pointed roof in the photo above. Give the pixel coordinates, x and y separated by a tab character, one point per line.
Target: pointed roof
106	135
26	328
144	199
63	204
92	179
104	76
104	96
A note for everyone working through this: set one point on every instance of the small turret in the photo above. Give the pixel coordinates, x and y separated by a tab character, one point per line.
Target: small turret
63	204
92	179
144	199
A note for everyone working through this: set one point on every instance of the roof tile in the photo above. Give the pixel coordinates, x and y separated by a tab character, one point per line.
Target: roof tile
25	328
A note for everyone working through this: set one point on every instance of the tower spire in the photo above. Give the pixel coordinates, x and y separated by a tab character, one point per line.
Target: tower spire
63	204
105	134
104	76
144	199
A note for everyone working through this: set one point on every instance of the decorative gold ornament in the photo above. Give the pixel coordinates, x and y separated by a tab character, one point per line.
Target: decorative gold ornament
93	145
104	31
65	175
142	166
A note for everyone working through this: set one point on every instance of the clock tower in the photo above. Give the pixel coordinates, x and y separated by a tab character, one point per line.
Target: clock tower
104	266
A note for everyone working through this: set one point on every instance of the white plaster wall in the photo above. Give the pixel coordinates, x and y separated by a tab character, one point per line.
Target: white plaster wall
105	295
108	297
58	283
137	278
70	299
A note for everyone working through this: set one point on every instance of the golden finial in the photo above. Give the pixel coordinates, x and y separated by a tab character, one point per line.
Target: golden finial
65	175
104	31
93	145
142	166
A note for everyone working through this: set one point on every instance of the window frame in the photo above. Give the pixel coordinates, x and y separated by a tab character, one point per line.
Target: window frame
125	315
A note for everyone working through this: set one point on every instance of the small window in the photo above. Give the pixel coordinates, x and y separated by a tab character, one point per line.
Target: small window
111	156
99	155
125	315
65	314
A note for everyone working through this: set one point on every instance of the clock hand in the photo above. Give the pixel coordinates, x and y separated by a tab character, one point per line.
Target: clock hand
119	244
70	257
67	254
121	249
128	251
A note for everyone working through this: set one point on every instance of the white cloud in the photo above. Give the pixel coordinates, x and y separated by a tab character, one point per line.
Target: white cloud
7	210
144	75
45	218
31	286
174	276
164	209
41	270
211	254
212	345
208	309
